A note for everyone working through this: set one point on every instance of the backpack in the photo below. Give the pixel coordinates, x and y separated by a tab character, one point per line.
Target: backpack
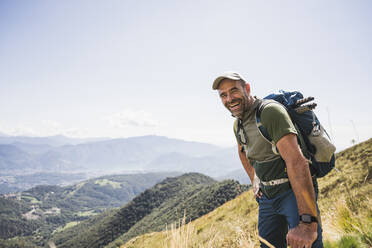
313	139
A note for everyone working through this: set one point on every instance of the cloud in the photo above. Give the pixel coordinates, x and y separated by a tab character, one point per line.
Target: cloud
20	131
51	127
43	129
131	118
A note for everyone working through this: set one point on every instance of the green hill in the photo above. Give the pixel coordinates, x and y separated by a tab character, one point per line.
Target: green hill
95	194
10	222
151	210
345	204
45	209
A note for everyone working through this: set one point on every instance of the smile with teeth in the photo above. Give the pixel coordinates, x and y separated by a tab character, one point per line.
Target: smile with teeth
234	106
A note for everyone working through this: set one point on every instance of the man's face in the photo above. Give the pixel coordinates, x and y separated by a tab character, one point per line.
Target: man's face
234	96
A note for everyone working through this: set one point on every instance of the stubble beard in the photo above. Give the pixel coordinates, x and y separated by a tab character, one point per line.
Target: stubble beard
246	102
243	110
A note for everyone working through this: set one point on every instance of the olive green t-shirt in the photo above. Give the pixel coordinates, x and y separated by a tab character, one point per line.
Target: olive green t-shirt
277	122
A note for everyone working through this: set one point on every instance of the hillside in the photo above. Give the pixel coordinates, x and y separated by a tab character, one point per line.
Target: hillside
43	209
151	210
345	205
10	223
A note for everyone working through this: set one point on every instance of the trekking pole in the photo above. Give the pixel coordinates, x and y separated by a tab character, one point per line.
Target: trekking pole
305	108
302	101
265	242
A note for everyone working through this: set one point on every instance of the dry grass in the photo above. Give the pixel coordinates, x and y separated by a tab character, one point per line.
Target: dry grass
345	204
345	199
179	234
233	225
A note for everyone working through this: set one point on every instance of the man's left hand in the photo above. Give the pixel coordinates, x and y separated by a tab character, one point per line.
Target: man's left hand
302	235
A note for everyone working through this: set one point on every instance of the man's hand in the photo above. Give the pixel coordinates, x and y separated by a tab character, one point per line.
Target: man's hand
256	187
302	235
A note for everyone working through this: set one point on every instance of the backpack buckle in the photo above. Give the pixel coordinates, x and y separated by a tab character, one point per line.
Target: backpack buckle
316	127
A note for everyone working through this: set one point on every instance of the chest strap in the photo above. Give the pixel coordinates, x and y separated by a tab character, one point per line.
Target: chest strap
275	182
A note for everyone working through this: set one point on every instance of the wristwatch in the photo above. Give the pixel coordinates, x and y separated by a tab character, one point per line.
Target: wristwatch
308	219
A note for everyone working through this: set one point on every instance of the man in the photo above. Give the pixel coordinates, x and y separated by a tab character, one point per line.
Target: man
286	194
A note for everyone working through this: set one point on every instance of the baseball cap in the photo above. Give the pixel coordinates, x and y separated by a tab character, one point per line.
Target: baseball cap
229	75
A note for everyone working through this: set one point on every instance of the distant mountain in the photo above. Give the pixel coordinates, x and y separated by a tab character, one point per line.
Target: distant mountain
239	175
32	149
152	210
13	159
57	140
30	156
215	164
132	153
151	153
42	209
17	183
3	135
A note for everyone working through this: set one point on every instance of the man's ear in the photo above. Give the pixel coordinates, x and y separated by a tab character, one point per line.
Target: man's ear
248	88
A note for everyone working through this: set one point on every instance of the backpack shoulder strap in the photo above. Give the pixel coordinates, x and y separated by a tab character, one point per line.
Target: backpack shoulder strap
266	135
236	126
260	127
240	134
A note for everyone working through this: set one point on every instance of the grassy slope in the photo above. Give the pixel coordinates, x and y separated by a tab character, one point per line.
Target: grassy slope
198	202
346	202
120	221
345	205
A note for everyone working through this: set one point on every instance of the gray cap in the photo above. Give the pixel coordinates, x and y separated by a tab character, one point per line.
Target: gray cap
229	75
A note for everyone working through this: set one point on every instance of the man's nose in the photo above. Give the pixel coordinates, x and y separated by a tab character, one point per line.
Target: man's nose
228	98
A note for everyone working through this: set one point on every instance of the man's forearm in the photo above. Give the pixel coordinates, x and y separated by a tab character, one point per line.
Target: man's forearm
300	179
298	173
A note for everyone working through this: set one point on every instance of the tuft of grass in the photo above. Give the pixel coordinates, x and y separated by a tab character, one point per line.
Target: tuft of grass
344	242
348	242
354	216
179	235
329	244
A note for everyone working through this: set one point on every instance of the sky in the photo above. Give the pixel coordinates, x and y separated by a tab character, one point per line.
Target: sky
131	68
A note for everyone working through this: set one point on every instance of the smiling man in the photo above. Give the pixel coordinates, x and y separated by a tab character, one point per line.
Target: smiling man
284	189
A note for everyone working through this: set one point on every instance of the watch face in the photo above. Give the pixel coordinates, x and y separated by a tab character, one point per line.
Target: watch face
306	218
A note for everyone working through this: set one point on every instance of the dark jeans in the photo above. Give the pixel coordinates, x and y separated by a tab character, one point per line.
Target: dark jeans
278	214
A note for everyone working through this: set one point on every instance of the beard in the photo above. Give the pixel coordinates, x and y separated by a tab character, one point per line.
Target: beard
237	107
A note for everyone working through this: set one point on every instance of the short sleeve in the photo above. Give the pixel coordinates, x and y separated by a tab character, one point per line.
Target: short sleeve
277	122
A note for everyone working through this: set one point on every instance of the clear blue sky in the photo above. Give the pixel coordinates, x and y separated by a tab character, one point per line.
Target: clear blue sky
128	68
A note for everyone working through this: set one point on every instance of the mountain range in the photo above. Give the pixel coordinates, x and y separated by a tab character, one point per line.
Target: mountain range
61	155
